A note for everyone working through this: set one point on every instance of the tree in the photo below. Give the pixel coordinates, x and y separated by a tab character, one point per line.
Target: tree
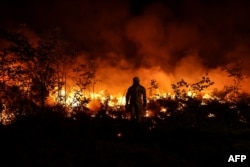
35	67
234	71
204	83
153	85
181	87
85	76
14	60
54	55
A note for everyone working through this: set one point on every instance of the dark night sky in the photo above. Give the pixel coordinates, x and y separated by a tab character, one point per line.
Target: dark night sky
143	33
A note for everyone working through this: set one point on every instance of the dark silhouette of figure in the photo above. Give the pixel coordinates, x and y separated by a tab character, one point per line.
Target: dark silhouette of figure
136	99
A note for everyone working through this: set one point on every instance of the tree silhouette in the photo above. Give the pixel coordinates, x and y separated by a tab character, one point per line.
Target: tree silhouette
59	55
181	87
14	60
85	76
234	71
204	83
33	67
153	85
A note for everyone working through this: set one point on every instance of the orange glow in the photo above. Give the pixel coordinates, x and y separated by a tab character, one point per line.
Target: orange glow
149	113
206	96
6	117
112	83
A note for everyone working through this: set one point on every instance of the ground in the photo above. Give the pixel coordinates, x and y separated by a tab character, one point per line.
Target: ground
105	142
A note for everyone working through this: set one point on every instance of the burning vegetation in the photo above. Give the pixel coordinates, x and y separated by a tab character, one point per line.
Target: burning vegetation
49	76
65	67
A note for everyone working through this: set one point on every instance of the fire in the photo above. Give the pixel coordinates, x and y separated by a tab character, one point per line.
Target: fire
97	70
73	98
206	96
149	113
117	100
94	105
191	94
6	117
97	99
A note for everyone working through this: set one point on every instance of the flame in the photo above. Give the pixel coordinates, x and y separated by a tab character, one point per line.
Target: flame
191	93
72	97
6	116
206	96
94	105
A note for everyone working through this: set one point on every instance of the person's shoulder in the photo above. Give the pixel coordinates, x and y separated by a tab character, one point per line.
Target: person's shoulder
142	87
131	87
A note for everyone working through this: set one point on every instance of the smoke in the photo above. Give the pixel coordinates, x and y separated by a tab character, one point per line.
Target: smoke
160	40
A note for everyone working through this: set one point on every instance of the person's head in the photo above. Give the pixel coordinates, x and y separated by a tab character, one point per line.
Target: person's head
136	80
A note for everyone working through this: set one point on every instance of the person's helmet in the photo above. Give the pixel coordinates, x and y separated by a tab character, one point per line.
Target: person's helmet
136	79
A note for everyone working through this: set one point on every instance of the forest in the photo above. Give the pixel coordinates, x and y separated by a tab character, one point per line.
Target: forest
36	104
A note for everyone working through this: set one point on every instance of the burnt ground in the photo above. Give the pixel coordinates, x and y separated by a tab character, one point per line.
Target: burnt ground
110	142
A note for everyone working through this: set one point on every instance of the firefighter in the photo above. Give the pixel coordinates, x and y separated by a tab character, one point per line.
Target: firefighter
136	99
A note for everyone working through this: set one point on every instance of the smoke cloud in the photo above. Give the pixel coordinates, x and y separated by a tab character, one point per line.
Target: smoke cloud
160	40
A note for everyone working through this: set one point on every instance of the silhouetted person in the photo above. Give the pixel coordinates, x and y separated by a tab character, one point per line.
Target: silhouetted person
136	99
